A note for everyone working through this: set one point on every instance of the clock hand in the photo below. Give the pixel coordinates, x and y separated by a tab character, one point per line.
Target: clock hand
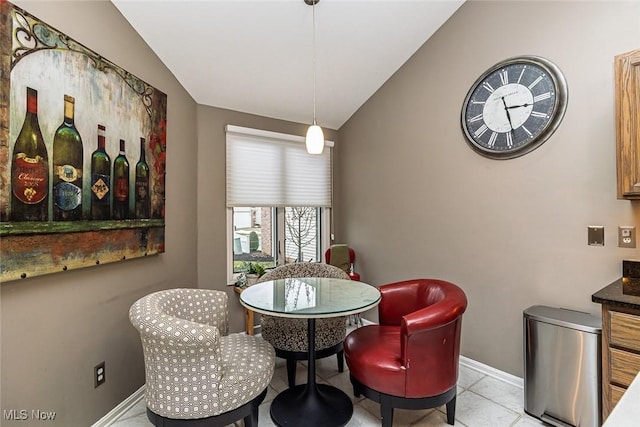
506	109
517	106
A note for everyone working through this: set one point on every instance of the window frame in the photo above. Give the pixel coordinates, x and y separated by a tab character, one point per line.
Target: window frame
324	240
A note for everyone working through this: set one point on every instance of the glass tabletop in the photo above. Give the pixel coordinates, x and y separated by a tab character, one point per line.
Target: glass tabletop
310	297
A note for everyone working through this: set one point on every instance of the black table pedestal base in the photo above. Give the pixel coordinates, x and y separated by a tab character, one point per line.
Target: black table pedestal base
312	404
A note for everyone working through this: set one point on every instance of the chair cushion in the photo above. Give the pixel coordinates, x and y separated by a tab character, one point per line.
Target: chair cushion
291	334
246	368
248	363
373	356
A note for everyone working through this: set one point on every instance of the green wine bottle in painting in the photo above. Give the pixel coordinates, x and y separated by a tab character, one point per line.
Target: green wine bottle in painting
67	167
142	197
30	168
100	179
121	185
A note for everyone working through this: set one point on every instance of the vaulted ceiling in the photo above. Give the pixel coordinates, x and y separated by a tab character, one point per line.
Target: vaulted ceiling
256	56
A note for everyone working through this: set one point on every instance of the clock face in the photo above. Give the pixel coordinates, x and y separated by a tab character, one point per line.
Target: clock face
514	107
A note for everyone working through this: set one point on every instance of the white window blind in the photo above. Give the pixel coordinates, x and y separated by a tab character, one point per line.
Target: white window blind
274	169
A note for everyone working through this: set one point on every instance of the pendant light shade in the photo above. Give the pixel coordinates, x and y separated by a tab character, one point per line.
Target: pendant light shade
315	137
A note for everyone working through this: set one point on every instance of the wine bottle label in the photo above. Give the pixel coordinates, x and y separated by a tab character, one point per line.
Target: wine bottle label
142	190
30	179
67	173
67	196
100	186
121	189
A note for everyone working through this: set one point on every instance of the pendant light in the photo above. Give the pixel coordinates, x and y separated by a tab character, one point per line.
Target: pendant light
315	137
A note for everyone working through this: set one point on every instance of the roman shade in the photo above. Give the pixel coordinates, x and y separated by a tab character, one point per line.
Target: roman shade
274	169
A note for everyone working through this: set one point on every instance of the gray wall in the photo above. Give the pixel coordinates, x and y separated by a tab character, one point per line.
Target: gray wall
415	201
56	328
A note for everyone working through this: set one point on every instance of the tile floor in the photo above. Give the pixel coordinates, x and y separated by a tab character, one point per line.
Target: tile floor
483	401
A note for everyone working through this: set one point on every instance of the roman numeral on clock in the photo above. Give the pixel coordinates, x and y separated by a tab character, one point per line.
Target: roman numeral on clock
542	96
504	77
488	87
492	139
475	118
481	130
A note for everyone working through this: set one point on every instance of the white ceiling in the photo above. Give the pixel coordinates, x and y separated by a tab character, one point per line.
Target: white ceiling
255	56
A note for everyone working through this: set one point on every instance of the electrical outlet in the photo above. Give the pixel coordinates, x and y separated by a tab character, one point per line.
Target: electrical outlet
99	375
626	237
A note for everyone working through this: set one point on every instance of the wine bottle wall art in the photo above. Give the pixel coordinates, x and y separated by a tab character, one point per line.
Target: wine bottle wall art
110	190
82	154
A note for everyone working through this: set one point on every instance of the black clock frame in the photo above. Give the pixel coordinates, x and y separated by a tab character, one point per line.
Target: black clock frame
561	101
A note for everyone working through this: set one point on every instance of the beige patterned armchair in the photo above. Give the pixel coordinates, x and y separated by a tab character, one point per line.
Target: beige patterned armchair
195	372
289	336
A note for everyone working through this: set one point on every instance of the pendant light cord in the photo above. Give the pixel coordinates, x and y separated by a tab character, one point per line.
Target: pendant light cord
314	60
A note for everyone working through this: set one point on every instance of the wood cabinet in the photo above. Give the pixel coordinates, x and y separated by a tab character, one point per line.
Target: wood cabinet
627	110
620	353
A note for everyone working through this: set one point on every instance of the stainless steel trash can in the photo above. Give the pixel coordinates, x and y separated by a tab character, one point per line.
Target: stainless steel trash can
562	375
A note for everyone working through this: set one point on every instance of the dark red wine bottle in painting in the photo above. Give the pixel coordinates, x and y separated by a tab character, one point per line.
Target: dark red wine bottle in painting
142	198
67	167
121	185
30	168
100	179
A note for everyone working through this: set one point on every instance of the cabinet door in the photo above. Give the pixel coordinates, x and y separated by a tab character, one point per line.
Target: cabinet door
627	94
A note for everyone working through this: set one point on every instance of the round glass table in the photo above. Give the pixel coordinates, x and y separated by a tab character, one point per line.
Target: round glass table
311	298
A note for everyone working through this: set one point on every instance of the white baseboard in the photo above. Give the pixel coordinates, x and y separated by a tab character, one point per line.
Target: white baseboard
121	409
492	372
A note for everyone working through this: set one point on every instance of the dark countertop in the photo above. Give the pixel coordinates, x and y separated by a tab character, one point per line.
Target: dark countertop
612	295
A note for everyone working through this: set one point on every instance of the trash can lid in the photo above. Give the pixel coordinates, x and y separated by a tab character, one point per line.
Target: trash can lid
566	318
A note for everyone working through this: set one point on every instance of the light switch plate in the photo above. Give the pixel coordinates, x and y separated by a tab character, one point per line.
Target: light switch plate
595	235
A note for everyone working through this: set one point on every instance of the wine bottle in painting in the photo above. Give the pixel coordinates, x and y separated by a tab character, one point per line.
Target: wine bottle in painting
30	168
142	197
67	167
100	179
121	185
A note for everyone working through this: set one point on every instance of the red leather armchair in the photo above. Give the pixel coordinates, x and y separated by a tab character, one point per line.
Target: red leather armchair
352	259
410	360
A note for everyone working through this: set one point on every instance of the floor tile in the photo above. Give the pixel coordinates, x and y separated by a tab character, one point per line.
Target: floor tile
507	395
437	419
476	411
468	377
527	421
363	418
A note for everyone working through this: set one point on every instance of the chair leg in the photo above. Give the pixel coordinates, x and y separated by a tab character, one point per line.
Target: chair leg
451	411
386	412
251	420
291	371
340	356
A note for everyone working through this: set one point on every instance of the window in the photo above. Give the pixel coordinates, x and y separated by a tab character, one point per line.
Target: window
278	199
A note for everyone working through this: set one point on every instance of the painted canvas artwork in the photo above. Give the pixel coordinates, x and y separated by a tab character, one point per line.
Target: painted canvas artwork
82	154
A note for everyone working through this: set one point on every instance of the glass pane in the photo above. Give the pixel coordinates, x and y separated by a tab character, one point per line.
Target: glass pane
253	238
302	234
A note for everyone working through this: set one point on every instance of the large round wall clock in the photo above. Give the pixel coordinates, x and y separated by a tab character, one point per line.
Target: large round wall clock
514	107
